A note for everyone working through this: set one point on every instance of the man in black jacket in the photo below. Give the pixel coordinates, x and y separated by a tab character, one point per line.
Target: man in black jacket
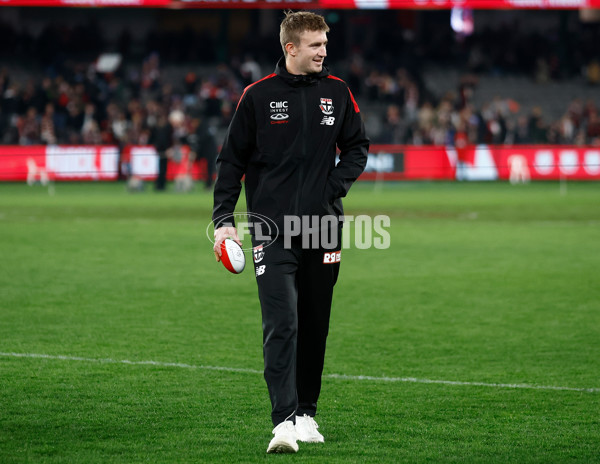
283	138
162	139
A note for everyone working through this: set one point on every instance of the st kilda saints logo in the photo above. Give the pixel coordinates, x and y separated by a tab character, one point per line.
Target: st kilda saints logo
327	109
259	253
326	106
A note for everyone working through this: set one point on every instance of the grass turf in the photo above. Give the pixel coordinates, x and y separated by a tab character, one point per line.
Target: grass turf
487	283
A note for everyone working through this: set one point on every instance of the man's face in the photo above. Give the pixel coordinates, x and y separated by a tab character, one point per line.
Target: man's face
308	56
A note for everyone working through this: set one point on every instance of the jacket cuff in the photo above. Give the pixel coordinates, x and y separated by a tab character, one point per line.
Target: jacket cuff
224	221
332	191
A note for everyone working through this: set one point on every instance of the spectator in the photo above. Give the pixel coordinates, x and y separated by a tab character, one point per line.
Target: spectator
593	127
204	146
29	128
120	127
73	123
521	131
250	71
162	139
393	126
536	126
89	118
47	126
91	134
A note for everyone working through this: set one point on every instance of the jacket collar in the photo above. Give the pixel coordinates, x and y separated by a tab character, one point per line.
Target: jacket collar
299	80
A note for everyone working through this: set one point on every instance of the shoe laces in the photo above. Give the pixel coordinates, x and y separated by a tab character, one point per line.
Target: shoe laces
288	426
311	423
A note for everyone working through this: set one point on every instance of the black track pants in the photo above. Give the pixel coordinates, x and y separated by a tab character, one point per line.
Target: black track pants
295	287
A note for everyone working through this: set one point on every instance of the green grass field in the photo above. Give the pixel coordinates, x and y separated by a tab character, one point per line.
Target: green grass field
474	338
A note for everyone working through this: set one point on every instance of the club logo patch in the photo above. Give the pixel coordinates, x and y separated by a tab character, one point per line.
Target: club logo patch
259	253
326	106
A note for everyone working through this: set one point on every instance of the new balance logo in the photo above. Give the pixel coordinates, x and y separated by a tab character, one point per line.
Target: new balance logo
328	120
333	257
260	270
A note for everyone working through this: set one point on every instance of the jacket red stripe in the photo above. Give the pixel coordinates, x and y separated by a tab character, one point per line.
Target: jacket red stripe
254	83
356	108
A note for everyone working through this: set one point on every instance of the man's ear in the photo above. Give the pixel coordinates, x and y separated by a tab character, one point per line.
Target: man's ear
290	48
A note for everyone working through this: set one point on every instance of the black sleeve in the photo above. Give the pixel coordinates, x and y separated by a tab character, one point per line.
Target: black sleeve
354	148
232	162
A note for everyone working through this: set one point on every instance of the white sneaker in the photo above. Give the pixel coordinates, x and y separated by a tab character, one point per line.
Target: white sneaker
306	429
284	440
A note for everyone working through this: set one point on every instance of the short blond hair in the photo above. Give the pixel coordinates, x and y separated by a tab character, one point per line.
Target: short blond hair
294	24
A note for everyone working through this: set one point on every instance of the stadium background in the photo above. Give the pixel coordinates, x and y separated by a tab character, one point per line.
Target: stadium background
473	338
424	78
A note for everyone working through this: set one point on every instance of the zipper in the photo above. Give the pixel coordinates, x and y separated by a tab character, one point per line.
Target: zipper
303	151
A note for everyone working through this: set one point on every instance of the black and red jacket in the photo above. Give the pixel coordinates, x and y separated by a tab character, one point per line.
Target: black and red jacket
283	138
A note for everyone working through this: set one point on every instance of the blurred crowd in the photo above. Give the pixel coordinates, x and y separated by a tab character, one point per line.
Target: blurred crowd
414	116
59	96
83	106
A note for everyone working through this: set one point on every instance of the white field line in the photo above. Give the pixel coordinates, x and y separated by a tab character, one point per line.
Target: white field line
329	376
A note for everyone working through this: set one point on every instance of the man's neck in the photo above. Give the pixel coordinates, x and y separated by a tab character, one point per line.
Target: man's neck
290	68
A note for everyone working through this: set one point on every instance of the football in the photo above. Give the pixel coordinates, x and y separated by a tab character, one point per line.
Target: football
232	256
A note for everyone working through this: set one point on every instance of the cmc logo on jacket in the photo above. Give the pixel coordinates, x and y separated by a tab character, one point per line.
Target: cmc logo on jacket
278	110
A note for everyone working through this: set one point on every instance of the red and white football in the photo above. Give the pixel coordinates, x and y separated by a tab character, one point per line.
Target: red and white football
232	256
